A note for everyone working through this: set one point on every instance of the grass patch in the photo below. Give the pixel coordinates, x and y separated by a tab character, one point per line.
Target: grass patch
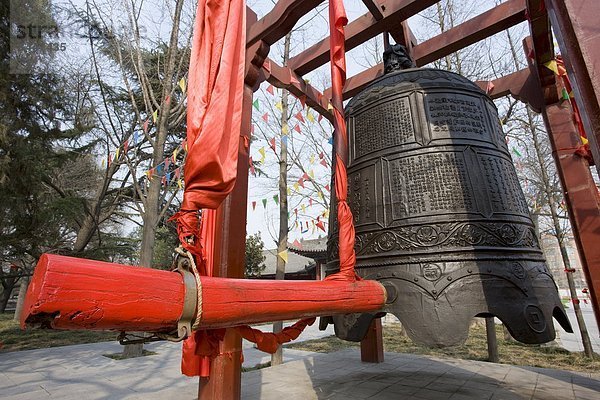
121	356
12	338
257	366
475	348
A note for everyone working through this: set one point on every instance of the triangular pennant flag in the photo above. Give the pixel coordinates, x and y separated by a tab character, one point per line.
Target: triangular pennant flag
284	139
320	194
320	117
309	116
327	187
329	107
552	66
256	105
271	90
252	169
262	153
297	244
178	173
321	226
330	141
267	66
174	156
155	116
584	140
103	163
321	155
182	85
145	127
302	101
285	129
126	145
311	174
516	152
167	162
565	94
303	207
301	182
324	163
265	117
305	176
264	201
299	117
283	255
135	138
297	128
117	153
296	186
253	205
310	201
273	145
276	199
279	106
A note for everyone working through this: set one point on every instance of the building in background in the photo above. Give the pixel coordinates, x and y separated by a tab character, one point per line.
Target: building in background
555	263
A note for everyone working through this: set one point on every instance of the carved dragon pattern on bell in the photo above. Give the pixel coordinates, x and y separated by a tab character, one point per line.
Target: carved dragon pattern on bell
440	217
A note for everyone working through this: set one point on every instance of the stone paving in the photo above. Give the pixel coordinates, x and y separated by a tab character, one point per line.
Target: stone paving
81	372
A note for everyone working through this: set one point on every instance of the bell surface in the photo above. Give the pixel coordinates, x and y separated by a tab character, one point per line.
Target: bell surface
441	220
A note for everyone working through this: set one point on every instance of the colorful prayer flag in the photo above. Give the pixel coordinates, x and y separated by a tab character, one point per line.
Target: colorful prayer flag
283	255
271	90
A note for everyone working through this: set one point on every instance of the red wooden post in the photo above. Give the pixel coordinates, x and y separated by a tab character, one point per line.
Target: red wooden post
579	189
575	24
371	347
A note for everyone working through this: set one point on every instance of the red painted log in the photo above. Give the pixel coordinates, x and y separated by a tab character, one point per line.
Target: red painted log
73	293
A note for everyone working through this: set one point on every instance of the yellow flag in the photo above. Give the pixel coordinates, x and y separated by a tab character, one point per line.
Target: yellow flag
312	159
279	106
103	163
289	191
303	207
285	129
311	173
117	153
283	255
552	66
262	152
175	154
326	213
329	106
296	186
320	195
182	85
584	140
179	184
309	116
155	116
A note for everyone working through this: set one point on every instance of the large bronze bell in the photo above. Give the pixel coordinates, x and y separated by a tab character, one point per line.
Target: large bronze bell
440	217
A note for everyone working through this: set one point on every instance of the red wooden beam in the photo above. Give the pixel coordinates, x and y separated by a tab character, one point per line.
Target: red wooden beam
279	21
521	85
478	28
575	24
359	31
285	78
543	49
73	293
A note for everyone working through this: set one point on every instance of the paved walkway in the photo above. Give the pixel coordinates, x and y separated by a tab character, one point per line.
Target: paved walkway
81	372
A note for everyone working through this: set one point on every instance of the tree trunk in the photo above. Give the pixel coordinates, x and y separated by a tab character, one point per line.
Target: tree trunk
4	297
21	298
277	357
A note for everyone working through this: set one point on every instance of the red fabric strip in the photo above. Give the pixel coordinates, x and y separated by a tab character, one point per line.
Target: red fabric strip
215	95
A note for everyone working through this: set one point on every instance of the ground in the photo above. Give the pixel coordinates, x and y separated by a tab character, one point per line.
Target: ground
475	348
